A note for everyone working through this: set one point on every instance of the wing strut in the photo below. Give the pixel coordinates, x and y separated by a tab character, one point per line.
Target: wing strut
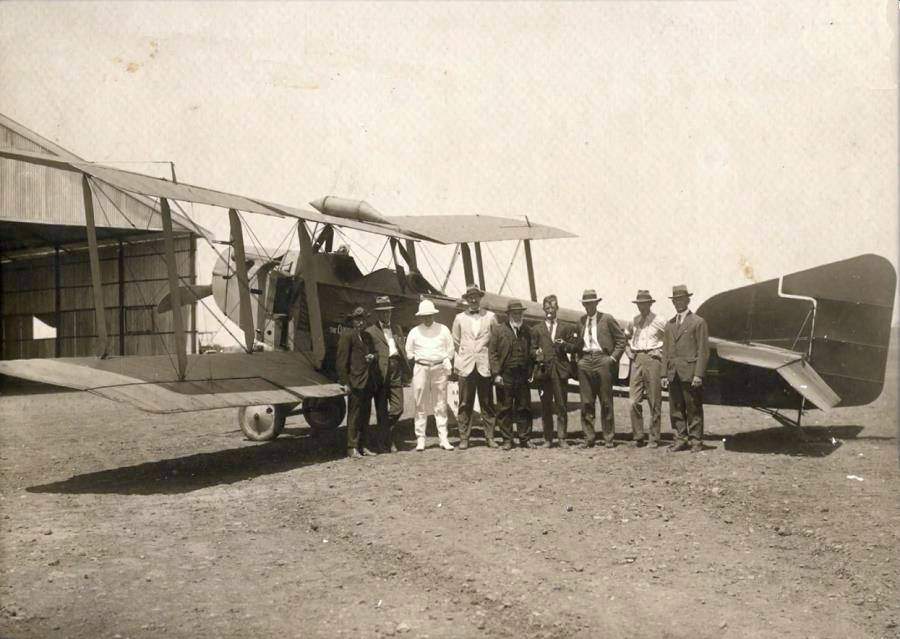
530	266
240	267
311	286
102	345
467	263
174	290
480	264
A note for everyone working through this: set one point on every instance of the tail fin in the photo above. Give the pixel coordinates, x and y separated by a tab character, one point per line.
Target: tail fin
839	314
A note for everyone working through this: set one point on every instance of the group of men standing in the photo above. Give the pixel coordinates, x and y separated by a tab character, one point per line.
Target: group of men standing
484	354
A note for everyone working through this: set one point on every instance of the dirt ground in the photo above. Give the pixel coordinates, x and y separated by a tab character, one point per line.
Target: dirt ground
117	523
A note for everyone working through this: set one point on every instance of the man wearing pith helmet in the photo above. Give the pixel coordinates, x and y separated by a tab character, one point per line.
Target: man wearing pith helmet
430	346
647	333
598	347
511	363
685	354
471	335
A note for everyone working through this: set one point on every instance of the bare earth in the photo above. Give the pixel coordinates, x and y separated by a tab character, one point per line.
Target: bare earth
116	523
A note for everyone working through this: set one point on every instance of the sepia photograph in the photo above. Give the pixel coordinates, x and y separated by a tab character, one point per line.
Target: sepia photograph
449	319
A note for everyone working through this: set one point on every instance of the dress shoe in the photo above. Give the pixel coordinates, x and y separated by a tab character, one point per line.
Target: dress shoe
697	448
526	443
394	448
609	445
586	445
352	453
446	445
507	445
420	443
491	443
563	443
463	444
368	451
653	444
678	446
637	443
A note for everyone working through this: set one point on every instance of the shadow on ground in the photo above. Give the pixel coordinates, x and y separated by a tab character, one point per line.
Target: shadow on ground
810	441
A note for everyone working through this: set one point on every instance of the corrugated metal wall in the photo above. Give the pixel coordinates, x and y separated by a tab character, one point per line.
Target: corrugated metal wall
56	289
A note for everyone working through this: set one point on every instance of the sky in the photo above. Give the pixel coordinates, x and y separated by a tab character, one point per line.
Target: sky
711	144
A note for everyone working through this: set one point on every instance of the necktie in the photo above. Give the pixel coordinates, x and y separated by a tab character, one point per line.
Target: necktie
678	322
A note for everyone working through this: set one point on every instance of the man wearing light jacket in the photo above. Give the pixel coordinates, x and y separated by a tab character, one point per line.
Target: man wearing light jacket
471	336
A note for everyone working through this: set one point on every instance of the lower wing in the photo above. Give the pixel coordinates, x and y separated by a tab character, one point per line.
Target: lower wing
150	383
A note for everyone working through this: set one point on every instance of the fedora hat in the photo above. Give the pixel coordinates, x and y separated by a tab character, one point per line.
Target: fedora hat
472	289
426	307
514	305
383	303
643	296
679	290
589	295
359	311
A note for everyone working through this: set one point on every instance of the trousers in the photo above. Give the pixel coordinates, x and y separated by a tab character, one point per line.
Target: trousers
595	381
468	386
429	385
515	405
359	410
686	410
554	401
389	403
646	374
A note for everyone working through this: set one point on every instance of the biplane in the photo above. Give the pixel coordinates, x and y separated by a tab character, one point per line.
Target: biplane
816	338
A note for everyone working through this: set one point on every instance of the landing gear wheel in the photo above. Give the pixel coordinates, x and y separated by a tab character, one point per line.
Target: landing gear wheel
324	413
262	423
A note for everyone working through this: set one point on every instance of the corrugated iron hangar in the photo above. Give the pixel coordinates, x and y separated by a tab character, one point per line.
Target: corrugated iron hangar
46	298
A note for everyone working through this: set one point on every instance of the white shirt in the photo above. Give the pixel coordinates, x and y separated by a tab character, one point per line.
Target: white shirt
551	328
389	336
432	344
590	334
679	317
648	333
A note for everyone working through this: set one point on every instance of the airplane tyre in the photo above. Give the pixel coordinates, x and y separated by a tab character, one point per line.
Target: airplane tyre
324	413
262	423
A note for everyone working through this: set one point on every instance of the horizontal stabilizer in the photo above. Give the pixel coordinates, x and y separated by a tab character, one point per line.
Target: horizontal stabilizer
150	383
791	365
189	295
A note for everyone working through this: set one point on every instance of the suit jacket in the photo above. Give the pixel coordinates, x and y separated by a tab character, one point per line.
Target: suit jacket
686	350
384	350
501	345
353	369
555	357
471	345
609	335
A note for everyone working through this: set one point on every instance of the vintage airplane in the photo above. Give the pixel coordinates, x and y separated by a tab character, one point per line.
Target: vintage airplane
818	336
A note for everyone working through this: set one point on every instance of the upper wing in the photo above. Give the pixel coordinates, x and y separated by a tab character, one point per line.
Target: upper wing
791	365
157	187
150	383
455	229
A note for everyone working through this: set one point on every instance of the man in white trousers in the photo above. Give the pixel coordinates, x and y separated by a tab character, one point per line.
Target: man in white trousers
430	346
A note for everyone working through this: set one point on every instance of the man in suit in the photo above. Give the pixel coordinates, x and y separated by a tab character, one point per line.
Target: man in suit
389	343
471	335
598	345
551	371
646	336
510	357
357	369
685	354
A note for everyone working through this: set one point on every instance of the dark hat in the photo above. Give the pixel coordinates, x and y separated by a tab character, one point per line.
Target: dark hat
643	296
679	290
383	303
472	289
515	305
589	295
359	311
